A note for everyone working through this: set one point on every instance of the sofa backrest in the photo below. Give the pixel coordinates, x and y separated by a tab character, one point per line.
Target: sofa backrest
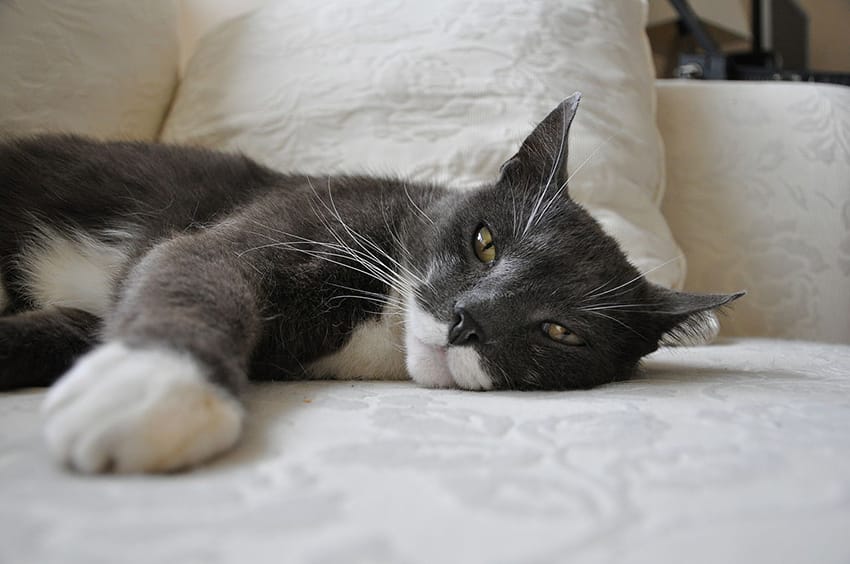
95	67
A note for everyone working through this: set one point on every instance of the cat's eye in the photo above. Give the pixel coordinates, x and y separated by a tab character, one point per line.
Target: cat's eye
485	247
562	334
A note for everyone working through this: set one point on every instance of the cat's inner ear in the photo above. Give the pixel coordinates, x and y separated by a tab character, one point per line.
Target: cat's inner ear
682	316
542	157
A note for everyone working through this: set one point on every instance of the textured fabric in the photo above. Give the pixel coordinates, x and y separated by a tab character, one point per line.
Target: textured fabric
759	198
95	67
738	452
441	90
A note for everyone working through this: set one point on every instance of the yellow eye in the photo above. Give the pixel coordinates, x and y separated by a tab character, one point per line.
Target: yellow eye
562	334
485	248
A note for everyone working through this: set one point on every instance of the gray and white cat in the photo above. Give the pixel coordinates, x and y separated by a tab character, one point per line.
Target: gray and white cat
179	273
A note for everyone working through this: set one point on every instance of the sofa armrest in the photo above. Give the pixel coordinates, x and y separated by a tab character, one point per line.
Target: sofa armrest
758	197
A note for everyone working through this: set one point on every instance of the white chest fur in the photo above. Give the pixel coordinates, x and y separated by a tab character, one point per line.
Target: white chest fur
374	351
71	270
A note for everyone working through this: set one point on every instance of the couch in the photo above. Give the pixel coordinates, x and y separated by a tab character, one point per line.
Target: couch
737	451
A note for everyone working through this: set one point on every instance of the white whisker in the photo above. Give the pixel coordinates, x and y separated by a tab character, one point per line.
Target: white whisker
361	239
386	299
365	255
616	306
570	177
328	256
422	213
635	279
555	168
615	320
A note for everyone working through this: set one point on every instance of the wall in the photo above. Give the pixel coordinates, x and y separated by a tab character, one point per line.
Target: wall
829	34
829	38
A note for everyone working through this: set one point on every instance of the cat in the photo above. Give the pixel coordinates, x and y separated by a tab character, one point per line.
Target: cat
160	278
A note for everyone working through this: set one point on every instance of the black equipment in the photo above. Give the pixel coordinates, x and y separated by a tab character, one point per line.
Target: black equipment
788	48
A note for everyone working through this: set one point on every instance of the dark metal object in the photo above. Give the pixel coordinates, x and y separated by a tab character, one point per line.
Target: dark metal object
691	22
757	64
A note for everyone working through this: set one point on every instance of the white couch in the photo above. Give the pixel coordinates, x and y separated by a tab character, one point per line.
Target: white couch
734	452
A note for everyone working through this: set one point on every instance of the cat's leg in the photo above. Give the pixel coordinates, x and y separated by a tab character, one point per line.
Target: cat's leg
36	347
160	393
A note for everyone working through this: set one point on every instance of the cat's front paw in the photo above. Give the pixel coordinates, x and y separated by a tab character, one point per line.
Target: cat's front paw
131	410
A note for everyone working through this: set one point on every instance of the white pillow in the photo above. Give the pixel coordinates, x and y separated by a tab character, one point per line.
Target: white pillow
440	90
96	67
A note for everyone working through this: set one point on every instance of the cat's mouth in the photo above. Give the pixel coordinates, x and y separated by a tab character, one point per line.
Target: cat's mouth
432	362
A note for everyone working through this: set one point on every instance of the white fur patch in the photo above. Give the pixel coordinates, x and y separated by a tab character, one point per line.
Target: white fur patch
138	410
73	271
703	334
465	366
426	345
374	351
427	364
432	363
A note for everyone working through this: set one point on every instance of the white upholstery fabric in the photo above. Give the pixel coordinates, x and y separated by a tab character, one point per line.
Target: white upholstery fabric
96	67
439	90
759	198
737	452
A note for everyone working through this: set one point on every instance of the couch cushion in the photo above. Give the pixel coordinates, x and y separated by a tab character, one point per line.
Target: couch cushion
440	90
95	67
737	452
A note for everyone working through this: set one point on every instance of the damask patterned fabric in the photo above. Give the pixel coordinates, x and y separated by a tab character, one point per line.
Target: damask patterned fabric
440	90
759	199
93	67
737	452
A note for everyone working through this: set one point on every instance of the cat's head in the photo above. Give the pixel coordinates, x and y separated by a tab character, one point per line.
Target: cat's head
523	290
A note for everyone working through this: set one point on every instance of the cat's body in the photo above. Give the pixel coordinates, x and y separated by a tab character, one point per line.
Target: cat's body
74	248
197	270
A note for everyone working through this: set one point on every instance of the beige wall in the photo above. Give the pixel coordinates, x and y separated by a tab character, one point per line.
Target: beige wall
829	34
829	37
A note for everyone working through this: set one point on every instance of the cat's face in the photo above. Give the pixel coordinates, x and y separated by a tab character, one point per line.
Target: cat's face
523	290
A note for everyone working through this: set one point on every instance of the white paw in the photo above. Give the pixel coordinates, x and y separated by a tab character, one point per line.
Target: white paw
138	410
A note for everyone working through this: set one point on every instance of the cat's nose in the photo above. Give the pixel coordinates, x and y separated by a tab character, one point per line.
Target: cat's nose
465	330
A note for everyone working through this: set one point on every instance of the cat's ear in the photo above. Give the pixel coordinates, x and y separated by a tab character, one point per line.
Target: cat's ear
683	317
542	157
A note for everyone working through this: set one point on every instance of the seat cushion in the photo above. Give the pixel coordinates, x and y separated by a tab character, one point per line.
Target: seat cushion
737	452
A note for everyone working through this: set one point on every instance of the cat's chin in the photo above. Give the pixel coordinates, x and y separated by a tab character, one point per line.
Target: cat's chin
432	363
428	364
